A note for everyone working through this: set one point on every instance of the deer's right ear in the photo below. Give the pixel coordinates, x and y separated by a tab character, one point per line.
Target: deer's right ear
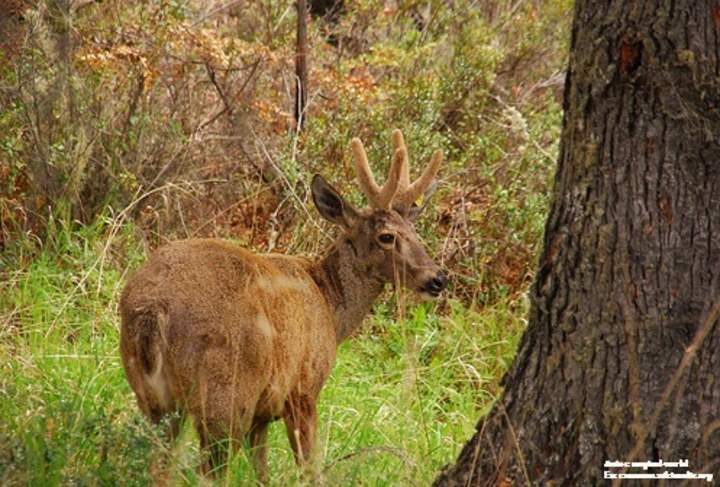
331	205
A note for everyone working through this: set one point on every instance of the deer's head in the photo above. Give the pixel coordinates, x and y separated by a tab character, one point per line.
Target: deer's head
382	237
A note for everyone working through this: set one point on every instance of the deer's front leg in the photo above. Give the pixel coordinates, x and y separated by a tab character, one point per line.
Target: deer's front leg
301	421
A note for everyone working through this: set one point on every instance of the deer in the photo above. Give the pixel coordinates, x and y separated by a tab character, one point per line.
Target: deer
235	340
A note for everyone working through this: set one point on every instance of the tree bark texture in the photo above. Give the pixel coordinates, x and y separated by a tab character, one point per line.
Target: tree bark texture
301	70
621	357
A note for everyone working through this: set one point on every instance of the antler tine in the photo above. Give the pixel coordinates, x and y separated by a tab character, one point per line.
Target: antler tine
397	188
378	197
366	180
391	187
399	143
423	182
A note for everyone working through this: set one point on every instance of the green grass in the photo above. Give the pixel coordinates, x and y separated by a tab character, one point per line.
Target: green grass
403	397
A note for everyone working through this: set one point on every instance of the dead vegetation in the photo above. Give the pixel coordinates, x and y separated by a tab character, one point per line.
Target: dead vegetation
185	111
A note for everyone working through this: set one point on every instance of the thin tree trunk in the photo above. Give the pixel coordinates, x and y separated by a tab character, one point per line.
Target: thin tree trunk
621	358
301	70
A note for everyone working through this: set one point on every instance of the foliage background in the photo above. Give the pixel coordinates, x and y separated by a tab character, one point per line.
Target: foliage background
126	124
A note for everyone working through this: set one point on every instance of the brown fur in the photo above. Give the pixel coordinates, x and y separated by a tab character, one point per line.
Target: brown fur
237	340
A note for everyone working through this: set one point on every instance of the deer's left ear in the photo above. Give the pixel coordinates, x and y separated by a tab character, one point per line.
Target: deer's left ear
331	205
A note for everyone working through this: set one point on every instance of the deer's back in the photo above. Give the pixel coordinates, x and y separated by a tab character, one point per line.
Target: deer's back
235	328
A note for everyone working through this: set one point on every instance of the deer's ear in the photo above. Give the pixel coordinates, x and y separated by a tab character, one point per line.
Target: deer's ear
331	205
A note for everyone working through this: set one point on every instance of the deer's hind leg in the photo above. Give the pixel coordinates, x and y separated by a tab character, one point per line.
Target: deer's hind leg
301	421
220	428
258	443
217	441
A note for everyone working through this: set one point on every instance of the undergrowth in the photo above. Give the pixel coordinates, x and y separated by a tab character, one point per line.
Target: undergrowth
126	124
404	395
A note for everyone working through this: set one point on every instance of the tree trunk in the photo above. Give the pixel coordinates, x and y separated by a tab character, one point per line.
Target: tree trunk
621	358
301	70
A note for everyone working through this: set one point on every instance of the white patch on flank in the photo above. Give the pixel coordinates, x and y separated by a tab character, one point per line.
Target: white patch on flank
264	283
264	325
282	283
292	283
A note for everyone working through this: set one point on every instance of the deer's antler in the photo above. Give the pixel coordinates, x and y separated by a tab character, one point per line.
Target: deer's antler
397	190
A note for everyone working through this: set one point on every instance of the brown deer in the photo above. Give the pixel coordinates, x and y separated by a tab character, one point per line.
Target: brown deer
236	340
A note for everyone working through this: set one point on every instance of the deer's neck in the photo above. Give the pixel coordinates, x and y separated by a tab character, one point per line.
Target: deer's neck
347	287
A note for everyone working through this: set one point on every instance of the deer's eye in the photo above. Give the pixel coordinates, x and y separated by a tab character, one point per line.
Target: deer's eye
386	238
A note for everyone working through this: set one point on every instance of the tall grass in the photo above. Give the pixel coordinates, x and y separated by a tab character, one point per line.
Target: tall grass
404	395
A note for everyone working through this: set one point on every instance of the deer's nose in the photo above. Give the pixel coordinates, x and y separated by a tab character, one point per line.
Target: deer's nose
436	284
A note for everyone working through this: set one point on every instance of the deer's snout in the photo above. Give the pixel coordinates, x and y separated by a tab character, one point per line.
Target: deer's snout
435	284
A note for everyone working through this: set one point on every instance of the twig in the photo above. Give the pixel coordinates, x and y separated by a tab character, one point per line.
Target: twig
220	92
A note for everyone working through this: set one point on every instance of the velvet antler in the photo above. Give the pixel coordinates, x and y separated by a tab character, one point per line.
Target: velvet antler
397	190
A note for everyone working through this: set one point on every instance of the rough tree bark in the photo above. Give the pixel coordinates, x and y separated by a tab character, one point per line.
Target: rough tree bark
621	358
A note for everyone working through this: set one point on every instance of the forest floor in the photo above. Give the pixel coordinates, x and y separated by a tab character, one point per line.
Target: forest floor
172	120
